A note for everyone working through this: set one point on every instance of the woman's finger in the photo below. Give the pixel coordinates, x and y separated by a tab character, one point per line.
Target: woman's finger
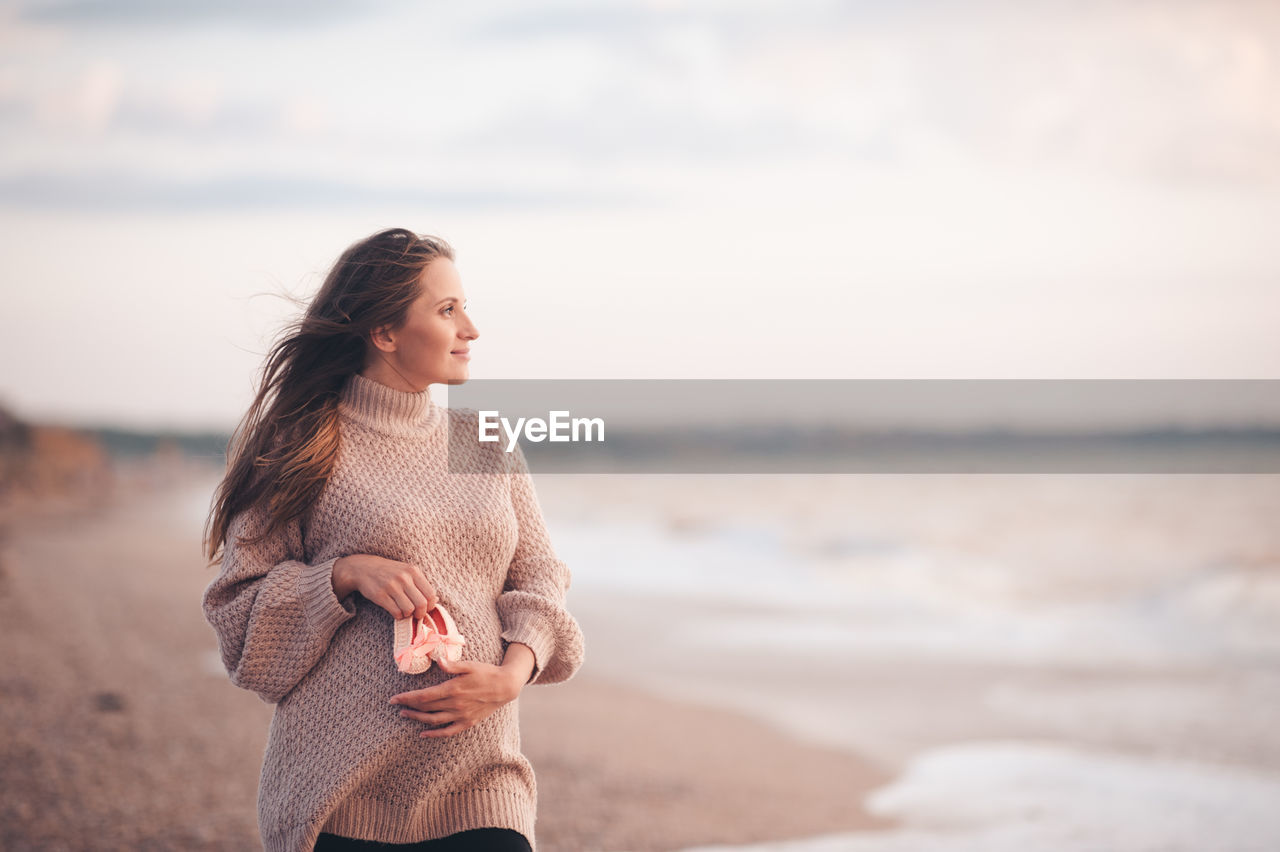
420	605
455	728
437	717
402	602
384	600
424	699
424	586
431	698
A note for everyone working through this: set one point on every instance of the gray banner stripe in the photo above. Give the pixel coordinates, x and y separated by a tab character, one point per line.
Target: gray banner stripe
864	426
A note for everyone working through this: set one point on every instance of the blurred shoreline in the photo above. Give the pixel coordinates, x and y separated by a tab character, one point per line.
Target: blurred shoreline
49	468
1006	647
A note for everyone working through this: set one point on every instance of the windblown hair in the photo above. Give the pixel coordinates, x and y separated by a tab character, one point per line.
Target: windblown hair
284	449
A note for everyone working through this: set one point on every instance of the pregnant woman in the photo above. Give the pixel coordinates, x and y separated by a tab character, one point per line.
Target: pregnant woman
386	580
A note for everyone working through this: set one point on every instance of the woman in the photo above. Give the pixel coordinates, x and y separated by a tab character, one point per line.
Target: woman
351	500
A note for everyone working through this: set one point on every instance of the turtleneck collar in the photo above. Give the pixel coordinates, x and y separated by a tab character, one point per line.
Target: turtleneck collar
386	409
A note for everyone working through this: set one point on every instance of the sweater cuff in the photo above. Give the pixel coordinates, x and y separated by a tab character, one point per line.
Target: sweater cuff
530	628
325	613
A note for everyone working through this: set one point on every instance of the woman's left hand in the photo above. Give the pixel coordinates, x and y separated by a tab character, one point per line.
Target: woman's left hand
463	701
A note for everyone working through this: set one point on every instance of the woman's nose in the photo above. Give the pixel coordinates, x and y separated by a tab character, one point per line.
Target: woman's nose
469	331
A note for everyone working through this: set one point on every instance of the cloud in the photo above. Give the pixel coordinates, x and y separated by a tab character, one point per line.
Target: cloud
1166	91
617	131
96	104
288	14
125	191
600	96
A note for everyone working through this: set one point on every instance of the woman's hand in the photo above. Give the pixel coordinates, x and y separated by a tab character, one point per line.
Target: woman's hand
398	587
465	700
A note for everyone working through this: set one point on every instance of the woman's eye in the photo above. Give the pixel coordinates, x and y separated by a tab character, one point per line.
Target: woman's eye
448	310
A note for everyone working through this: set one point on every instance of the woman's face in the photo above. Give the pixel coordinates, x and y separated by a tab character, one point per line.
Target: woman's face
432	347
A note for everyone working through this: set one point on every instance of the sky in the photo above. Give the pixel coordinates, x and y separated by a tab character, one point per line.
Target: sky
916	189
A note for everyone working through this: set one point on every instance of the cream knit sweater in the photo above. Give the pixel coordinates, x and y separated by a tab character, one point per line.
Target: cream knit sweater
339	758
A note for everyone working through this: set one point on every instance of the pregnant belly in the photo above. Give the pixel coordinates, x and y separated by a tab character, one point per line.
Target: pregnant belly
342	705
359	664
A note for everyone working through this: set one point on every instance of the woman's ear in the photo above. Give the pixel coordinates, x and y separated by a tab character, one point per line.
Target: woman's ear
383	338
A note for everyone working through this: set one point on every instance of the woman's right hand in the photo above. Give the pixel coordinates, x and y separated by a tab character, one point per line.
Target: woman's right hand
398	587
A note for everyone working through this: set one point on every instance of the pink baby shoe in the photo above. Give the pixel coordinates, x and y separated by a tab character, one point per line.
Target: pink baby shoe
419	641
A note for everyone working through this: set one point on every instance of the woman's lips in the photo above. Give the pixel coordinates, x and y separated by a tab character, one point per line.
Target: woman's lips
465	354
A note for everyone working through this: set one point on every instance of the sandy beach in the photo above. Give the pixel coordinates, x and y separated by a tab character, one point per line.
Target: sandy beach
122	731
777	664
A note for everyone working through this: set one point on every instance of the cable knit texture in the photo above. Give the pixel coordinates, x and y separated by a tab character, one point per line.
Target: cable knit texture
339	757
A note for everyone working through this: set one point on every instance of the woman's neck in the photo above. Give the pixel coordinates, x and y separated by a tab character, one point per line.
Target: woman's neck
387	375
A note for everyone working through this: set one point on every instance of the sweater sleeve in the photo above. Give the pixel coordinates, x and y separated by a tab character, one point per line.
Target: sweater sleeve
532	603
274	614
